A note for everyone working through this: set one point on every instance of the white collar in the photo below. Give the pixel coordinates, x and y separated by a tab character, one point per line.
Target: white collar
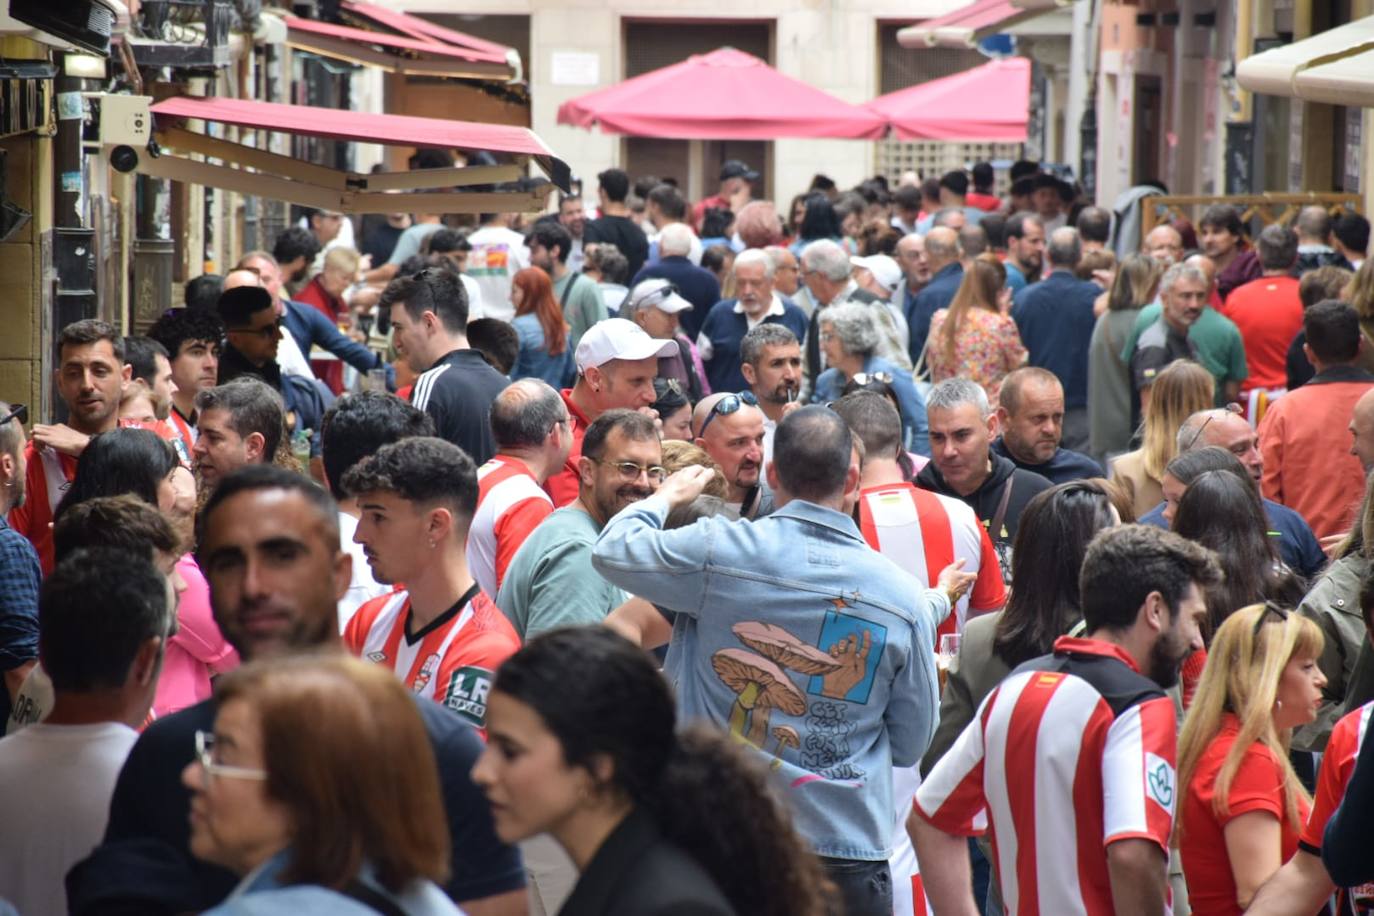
774	310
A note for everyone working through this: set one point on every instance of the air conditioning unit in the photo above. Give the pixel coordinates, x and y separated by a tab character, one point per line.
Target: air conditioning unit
85	25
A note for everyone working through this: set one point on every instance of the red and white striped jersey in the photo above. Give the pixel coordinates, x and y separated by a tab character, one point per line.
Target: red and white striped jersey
923	532
510	504
1338	763
451	660
48	475
1061	761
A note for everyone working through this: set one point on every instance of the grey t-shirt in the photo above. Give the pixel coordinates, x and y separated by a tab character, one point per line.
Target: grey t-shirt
408	245
550	582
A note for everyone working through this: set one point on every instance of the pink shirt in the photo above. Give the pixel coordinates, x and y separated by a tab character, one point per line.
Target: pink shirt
198	649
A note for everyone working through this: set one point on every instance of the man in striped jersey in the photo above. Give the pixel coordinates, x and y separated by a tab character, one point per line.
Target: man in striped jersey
441	634
533	436
429	315
1303	884
1070	761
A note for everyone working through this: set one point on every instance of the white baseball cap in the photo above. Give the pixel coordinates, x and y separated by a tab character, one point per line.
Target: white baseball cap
883	268
617	338
660	294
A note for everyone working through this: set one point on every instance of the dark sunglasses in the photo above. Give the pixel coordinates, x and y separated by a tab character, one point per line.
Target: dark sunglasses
1233	408
1270	608
17	411
728	405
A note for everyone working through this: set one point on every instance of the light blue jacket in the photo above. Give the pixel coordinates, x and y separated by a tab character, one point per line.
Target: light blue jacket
261	893
793	635
915	426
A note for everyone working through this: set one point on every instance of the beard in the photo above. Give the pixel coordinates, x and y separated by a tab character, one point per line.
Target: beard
609	504
1165	660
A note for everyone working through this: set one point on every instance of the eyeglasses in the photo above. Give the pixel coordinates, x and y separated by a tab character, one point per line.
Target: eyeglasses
1232	408
270	332
630	471
205	754
728	405
868	378
1270	608
17	411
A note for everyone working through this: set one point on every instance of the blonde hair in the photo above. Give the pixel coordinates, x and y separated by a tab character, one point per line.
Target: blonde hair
678	455
1181	390
1242	677
978	290
343	259
1359	292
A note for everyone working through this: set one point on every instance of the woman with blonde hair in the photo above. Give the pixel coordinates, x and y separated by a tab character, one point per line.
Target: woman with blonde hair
1242	805
319	787
1110	401
1179	391
1359	292
975	337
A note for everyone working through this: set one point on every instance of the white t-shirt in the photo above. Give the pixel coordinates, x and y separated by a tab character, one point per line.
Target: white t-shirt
476	304
290	358
55	787
32	703
497	255
362	588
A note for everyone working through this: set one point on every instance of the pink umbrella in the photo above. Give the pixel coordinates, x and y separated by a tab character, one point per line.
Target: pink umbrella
988	104
723	95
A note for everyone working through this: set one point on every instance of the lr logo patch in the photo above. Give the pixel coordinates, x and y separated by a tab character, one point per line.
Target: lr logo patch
467	694
1159	778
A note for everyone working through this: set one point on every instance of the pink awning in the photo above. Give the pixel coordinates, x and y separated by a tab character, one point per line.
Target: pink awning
966	26
364	127
417	27
724	95
988	104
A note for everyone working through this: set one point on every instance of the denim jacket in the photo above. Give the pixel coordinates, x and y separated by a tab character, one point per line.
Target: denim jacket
796	637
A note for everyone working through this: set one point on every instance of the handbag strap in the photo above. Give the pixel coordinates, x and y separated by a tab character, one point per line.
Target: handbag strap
1000	516
371	898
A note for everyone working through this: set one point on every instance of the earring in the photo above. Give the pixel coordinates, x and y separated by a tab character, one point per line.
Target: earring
431	544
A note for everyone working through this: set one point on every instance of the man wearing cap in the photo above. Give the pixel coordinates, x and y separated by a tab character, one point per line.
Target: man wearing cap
730	428
616	366
695	284
656	306
728	321
735	191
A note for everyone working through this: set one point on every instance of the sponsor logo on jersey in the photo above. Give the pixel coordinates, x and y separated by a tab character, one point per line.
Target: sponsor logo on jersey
467	694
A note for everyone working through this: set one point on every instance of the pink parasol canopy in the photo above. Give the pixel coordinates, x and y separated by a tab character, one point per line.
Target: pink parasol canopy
988	104
724	95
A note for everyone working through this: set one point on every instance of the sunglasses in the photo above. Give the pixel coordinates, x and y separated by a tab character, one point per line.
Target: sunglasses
1232	408
727	405
655	295
17	411
1269	608
868	378
270	332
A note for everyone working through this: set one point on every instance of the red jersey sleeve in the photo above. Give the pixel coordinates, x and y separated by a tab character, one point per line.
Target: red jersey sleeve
562	487
951	797
1139	783
1338	761
513	527
355	633
988	593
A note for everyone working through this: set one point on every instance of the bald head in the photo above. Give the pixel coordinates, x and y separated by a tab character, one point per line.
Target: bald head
1206	265
1065	248
1164	244
1225	429
942	247
241	277
733	438
1362	431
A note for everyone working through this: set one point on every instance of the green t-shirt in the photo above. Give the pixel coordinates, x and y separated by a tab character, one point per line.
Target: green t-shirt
550	582
583	306
1220	348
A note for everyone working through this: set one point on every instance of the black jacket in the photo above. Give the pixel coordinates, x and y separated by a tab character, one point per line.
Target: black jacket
637	872
985	500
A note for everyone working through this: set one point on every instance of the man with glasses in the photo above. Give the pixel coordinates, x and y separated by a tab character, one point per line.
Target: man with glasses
20	574
253	333
103	658
549	582
729	427
728	321
533	434
441	634
616	366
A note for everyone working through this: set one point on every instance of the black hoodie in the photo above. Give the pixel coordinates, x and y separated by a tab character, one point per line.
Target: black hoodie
986	499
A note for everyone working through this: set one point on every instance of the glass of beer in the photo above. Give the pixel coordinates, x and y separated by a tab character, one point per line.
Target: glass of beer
945	654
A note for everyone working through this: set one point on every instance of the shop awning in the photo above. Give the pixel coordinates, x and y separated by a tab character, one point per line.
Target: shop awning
967	26
407	48
988	104
250	170
724	95
1335	67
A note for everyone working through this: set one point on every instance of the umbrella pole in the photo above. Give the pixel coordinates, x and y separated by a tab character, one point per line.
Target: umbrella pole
696	161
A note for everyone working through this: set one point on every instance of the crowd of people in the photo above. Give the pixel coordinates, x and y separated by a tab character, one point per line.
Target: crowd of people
918	549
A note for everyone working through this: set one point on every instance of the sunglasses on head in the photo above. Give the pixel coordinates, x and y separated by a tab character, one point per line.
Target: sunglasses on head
728	405
17	411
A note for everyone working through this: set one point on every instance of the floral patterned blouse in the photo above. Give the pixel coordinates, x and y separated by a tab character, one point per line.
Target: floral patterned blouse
986	349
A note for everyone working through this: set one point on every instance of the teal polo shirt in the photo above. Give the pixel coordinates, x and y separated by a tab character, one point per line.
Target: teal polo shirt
1218	341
